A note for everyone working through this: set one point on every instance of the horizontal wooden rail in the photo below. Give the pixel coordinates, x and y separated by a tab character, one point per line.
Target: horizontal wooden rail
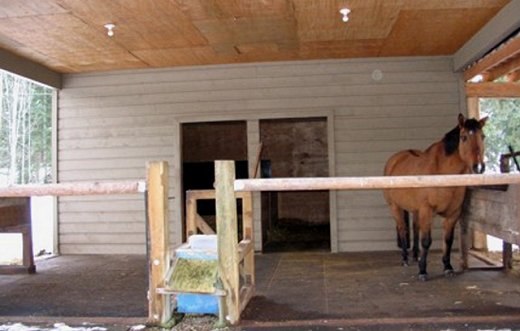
371	183
73	188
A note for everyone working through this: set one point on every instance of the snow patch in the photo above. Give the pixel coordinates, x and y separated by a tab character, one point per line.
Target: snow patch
55	327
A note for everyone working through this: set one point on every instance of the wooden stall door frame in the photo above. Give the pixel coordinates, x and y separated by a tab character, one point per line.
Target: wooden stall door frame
253	137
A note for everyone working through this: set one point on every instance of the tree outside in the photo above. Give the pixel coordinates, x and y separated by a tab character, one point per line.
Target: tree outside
25	131
502	130
26	157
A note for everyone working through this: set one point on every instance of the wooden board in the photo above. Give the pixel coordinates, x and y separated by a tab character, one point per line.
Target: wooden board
15	217
495	212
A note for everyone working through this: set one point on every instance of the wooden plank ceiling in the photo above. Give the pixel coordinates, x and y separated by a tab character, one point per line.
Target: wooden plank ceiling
69	35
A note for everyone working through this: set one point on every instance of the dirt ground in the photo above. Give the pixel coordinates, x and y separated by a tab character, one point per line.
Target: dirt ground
294	291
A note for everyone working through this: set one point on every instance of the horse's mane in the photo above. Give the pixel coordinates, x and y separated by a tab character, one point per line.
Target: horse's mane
451	139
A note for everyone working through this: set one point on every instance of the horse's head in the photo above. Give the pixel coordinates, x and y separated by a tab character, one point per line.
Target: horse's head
471	143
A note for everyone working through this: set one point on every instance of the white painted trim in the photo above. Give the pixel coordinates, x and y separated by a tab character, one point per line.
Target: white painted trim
307	113
253	139
253	69
463	105
333	209
54	165
175	172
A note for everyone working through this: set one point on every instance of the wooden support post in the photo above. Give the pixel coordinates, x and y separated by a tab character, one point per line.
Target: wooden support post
191	212
478	239
247	234
507	255
159	310
28	255
463	242
247	291
227	237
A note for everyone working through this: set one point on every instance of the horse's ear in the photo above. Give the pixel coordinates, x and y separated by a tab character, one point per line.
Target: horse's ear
483	121
461	120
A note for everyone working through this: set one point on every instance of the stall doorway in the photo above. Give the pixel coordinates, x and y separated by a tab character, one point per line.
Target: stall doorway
202	144
295	220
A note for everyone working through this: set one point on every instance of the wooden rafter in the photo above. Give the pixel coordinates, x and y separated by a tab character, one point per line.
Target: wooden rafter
513	76
497	59
493	90
503	69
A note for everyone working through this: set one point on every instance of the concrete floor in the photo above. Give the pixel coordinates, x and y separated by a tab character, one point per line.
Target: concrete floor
373	291
320	289
78	285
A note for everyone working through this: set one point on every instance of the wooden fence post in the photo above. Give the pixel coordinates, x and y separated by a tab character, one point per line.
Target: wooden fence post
159	310
247	233
227	236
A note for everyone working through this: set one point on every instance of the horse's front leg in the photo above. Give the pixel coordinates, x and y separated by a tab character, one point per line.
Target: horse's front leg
425	237
398	215
449	230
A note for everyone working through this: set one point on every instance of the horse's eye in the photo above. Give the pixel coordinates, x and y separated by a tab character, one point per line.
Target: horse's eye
463	138
483	136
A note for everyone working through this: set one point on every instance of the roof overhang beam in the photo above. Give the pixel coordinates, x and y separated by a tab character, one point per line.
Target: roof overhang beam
505	23
29	69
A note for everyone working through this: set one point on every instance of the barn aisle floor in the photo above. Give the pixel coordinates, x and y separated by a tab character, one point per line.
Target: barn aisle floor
78	285
312	286
373	288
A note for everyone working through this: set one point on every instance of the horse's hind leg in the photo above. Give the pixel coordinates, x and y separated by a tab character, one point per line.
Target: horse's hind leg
398	215
415	248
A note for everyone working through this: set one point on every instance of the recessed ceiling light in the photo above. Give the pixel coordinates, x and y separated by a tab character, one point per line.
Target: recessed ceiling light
110	29
344	12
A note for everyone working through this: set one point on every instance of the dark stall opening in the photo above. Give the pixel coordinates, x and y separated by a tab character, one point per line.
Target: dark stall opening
202	144
295	220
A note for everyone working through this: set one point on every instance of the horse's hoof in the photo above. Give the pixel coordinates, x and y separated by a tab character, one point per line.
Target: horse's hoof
423	277
449	273
405	264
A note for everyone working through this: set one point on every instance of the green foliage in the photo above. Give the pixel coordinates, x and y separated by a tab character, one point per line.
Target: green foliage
25	131
502	129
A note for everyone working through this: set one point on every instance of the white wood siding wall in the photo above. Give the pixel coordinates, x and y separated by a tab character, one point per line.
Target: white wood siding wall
110	124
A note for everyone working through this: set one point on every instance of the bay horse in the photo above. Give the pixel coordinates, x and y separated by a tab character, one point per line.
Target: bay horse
460	151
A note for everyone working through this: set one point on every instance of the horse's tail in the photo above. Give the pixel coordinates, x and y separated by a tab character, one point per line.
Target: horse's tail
406	217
